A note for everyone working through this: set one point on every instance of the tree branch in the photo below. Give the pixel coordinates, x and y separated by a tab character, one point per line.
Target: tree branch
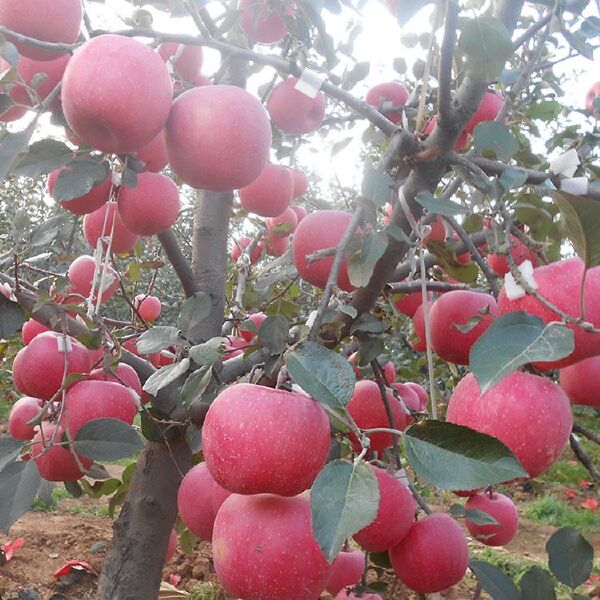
583	458
445	67
409	287
179	262
588	433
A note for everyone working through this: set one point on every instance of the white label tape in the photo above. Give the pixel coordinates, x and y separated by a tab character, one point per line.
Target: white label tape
64	344
116	178
566	164
309	83
526	269
513	290
575	185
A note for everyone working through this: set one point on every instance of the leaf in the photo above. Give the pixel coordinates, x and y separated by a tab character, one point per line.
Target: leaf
12	317
358	73
514	340
204	354
165	375
47	231
570	557
19	483
496	137
376	185
79	177
494	581
581	218
344	498
440	207
339	146
487	45
465	273
156	339
43	157
362	262
9	450
12	147
513	178
195	385
537	584
454	457
479	517
193	311
107	439
323	374
274	332
545	110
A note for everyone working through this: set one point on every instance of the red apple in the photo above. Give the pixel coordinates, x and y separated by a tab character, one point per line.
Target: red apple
81	275
346	570
260	22
518	250
125	375
148	307
421	394
93	200
581	382
388	98
30	329
408	303
17	371
22	411
488	110
242	244
98	224
346	594
218	137
458	307
460	143
257	319
171	547
395	515
438	231
194	501
219	495
593	92
529	414
202	80
271	429
270	193
300	183
300	211
284	224
321	230
499	507
257	538
419	329
390	371
433	556
409	397
116	94
154	154
294	112
277	246
186	60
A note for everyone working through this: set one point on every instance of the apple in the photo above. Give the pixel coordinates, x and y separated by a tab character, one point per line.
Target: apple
388	98
581	382
284	224
43	363
321	230
241	245
458	307
501	508
438	231
347	594
98	224
171	547
433	556
300	183
346	570
186	60
409	397
261	23
270	193
162	359
407	303
30	329
116	94
272	430
27	69
194	501
367	409
124	375
57	21
294	112
460	143
593	92
81	275
300	211
560	283
518	250
89	202
395	515
257	319
54	462
488	110
202	80
148	307
422	395
218	137
257	538
419	329
154	154
219	495
22	411
17	371
152	206
529	414
277	246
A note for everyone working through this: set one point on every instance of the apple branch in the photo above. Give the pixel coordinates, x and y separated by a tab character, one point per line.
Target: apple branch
445	66
179	262
583	458
588	433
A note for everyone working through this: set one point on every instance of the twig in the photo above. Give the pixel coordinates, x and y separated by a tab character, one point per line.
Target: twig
407	287
180	264
588	433
445	66
379	378
427	324
583	458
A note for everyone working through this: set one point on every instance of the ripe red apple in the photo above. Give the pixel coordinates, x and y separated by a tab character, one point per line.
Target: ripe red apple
346	570
300	211
518	250
438	231
54	462
346	594
93	200
488	110
186	60
395	515
30	329
300	183
294	112
581	382
125	375
284	224
270	193
421	394
321	230
202	80
501	508
97	224
152	206
171	547
408	303
148	307
388	98
218	137
277	246
257	319
460	143
194	501
22	411
56	21
367	409
529	414
154	154
81	275
219	495
17	371
390	371
272	430
593	92
409	397
261	23
420	345
458	307
43	363
433	556
257	538
116	94
242	244
560	284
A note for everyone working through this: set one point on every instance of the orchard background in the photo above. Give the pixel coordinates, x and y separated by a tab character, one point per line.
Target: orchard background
369	291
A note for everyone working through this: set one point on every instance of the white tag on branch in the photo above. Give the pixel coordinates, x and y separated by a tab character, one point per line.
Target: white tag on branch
106	280
566	164
402	476
387	105
64	344
116	178
526	269
311	318
309	83
299	390
513	290
575	185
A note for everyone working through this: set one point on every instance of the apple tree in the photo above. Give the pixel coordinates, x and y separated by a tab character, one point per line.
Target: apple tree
196	295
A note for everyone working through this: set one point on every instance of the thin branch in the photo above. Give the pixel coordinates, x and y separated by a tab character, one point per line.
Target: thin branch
445	67
408	287
180	264
379	379
533	29
588	433
583	458
19	37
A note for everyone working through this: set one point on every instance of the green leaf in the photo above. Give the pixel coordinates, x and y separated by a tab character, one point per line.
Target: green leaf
570	557
537	584
454	457
12	317
47	231
12	147
514	340
273	333
489	135
513	178
581	218
487	45
444	252
204	354
494	581
446	208
323	374
344	498
195	385
358	73
19	483
79	177
157	338
9	450
43	157
362	262
107	439
193	311
479	517
376	185
545	110
165	375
